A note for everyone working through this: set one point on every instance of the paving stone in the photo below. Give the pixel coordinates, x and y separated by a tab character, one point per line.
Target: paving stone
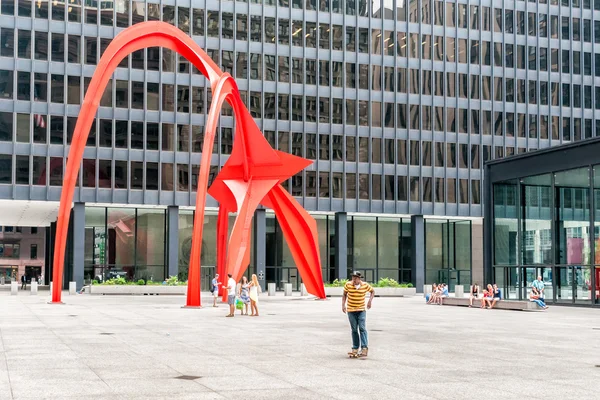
135	347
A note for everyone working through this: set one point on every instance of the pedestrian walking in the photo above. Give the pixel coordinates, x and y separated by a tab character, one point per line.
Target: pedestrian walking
353	303
23	282
231	295
214	287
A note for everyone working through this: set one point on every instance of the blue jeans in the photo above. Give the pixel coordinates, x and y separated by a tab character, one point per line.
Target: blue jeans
358	322
540	302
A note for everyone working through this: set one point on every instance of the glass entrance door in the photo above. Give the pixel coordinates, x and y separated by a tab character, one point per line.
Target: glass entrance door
282	275
369	275
564	285
32	272
208	273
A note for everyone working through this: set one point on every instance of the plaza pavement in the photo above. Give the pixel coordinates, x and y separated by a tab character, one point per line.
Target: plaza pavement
101	347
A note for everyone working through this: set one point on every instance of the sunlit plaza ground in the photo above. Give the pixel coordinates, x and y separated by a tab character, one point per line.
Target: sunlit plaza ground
101	347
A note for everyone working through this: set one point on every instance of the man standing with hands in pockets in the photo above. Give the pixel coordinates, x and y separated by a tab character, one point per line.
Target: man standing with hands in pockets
353	303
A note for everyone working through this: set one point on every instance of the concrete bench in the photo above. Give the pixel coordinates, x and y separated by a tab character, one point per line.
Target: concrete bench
520	305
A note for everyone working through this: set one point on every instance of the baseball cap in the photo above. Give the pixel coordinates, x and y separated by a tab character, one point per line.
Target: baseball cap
357	274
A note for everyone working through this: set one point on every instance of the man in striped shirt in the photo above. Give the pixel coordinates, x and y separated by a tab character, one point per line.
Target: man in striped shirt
353	302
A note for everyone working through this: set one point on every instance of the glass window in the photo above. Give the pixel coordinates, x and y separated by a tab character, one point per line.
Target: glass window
122	94
167	176
212	23
363	186
401	44
74	90
438	8
241	27
474	17
74	48
450	15
152	136
23	44
57	93
536	242
439	155
284	31
122	13
451	119
151	175
414	188
91	49
22	170
532	24
41	45
6	168
402	188
413	11
364	242
197	21
23	85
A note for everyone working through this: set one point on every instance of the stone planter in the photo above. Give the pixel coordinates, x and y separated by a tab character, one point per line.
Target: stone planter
379	292
137	289
395	292
334	291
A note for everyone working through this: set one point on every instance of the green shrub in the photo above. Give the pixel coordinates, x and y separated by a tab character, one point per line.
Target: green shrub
337	283
386	282
115	281
389	282
95	282
172	281
141	282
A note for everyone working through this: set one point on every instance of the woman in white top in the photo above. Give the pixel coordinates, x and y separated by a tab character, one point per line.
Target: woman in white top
254	289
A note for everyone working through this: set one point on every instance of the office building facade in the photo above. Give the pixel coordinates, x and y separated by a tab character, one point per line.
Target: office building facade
542	218
22	252
398	103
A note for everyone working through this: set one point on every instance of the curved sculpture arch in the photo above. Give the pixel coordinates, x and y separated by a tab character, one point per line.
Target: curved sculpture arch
250	176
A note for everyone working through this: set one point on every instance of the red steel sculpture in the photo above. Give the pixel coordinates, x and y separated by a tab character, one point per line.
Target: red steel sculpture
251	176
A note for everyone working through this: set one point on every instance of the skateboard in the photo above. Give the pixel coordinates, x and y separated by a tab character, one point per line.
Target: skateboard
356	355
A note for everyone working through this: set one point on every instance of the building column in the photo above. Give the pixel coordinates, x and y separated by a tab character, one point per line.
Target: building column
78	243
260	246
341	245
417	228
477	261
488	227
50	233
172	241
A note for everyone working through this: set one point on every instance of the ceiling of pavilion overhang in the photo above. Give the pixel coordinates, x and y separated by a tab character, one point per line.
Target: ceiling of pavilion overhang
27	213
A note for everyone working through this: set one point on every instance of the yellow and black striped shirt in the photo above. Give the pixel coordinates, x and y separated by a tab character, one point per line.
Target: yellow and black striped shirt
356	297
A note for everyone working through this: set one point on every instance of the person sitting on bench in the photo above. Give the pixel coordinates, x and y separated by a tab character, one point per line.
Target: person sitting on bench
443	292
474	294
496	297
431	298
535	296
487	294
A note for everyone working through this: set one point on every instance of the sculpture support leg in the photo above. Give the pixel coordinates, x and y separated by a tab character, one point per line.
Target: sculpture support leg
194	273
300	232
